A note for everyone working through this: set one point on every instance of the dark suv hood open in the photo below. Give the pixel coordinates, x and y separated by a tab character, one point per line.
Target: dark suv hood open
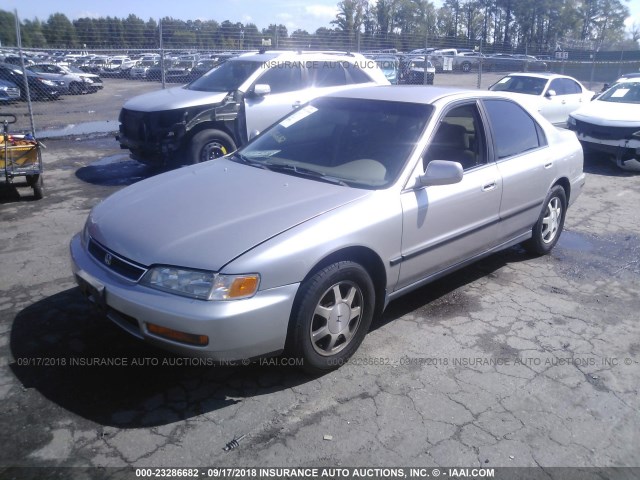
172	99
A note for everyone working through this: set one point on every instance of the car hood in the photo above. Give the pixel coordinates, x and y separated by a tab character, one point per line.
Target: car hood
610	114
172	98
209	214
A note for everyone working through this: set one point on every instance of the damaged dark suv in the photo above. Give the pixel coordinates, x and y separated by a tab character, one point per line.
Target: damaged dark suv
221	110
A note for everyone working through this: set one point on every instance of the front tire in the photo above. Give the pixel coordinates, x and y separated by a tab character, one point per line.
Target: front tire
210	144
331	316
547	230
75	89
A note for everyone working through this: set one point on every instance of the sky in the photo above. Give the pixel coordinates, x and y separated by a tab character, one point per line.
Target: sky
294	14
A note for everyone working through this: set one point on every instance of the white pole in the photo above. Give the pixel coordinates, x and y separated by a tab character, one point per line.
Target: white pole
24	73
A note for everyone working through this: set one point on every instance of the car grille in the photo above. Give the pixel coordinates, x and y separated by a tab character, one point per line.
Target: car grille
605	133
134	125
115	262
13	92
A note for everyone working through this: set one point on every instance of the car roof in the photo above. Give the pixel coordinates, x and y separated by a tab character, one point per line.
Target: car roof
423	94
633	79
539	75
302	55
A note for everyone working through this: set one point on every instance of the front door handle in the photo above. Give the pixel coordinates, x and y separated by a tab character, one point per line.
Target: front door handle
489	186
296	104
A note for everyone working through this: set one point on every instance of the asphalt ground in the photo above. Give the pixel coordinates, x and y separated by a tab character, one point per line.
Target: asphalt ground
516	361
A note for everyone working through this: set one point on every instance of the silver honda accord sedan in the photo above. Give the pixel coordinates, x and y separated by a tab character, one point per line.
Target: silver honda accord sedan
297	240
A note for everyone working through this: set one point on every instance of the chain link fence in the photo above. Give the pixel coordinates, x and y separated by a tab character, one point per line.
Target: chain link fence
171	55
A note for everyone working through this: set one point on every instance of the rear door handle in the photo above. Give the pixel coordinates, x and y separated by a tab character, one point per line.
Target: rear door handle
296	104
548	165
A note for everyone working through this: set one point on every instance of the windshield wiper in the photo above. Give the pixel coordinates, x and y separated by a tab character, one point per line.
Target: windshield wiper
247	161
305	172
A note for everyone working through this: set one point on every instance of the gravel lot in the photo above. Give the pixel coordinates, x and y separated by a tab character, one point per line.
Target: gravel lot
515	361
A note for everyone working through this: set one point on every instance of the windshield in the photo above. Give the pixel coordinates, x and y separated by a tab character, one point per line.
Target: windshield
184	64
625	92
360	143
518	84
226	78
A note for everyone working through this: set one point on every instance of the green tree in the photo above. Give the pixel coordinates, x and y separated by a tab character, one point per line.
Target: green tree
87	32
7	29
151	34
133	32
252	38
60	32
277	34
349	19
32	34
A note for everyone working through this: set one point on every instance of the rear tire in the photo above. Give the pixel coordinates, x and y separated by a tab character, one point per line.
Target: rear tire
547	230
331	316
210	144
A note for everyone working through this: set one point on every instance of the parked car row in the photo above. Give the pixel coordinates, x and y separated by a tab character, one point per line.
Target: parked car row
465	60
183	69
39	87
45	81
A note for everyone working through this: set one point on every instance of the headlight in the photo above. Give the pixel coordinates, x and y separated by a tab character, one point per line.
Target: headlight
87	80
47	82
201	284
4	89
571	121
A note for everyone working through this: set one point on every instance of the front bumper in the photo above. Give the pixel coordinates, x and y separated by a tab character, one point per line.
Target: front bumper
237	330
625	151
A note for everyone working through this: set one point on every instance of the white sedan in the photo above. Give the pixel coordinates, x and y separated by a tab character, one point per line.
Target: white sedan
554	96
611	123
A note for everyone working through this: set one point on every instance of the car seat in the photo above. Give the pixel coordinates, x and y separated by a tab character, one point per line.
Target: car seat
449	143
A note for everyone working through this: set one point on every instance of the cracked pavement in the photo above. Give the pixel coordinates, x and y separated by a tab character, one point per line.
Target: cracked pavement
514	361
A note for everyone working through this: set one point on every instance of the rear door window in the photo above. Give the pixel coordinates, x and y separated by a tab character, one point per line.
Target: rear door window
514	130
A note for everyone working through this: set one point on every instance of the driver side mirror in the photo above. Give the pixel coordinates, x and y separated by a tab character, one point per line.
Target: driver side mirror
441	172
261	89
550	93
